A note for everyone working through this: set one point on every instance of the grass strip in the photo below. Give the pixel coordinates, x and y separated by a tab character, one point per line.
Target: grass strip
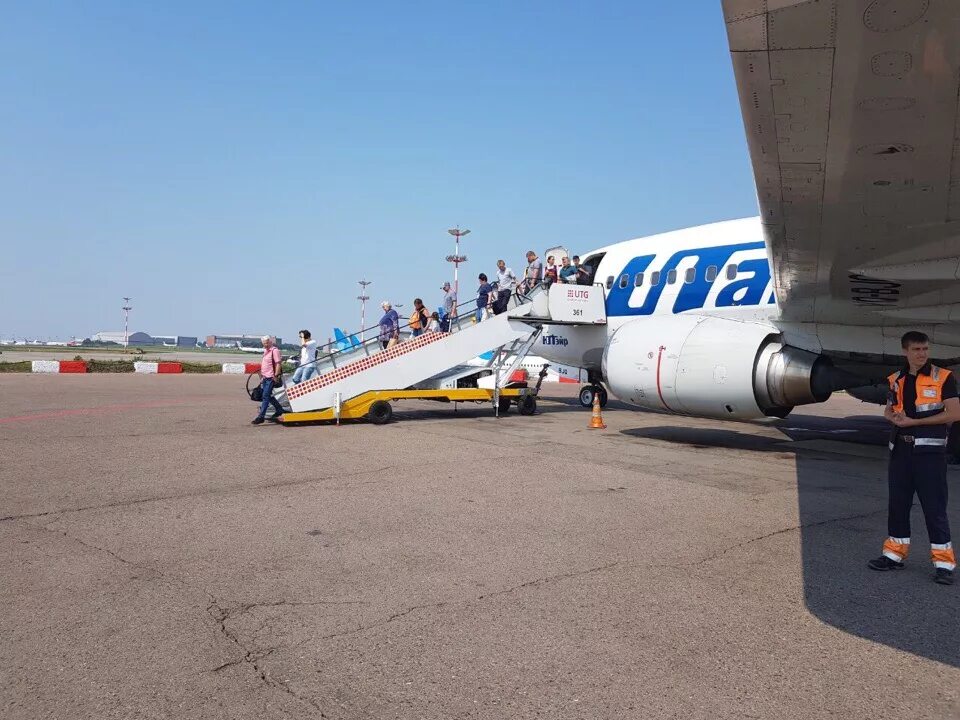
200	368
109	366
16	367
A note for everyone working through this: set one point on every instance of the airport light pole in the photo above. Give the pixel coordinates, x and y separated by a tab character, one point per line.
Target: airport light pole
126	321
363	297
456	259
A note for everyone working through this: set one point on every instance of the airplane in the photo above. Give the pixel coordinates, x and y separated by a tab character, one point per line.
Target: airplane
533	364
344	342
850	121
244	348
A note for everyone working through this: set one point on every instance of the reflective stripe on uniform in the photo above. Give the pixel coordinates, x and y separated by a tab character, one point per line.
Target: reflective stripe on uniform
896	402
935	373
942	556
930	406
896	548
930	442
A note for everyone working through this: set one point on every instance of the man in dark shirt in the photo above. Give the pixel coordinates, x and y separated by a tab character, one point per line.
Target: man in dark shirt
923	402
584	274
483	296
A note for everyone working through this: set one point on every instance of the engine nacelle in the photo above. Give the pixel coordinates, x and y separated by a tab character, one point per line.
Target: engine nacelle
712	367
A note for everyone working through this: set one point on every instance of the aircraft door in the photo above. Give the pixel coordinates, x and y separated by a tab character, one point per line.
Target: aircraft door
592	263
559	253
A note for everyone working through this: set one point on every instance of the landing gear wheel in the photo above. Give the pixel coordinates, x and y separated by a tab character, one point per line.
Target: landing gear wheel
380	412
586	395
587	392
526	404
603	395
503	406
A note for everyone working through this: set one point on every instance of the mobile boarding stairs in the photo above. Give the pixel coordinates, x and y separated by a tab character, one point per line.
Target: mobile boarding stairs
360	379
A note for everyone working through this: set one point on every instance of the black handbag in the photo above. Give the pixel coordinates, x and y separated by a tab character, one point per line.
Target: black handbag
255	392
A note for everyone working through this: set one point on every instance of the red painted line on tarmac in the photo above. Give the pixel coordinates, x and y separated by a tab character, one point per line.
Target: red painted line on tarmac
91	411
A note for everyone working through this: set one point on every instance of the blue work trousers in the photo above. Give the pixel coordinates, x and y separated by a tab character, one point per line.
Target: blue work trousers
268	399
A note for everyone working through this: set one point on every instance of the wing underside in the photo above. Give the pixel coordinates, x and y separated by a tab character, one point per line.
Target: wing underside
850	111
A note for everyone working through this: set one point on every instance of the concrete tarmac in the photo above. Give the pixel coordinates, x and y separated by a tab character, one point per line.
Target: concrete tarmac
164	559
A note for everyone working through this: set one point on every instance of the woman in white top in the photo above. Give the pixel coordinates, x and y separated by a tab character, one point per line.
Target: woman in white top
434	324
308	356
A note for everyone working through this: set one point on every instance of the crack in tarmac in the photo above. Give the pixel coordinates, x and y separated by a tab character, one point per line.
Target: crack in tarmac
588	571
213	609
551	578
227	491
247	607
468	601
220	616
774	533
387	621
207	493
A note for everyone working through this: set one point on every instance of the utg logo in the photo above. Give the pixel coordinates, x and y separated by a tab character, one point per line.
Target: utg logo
555	340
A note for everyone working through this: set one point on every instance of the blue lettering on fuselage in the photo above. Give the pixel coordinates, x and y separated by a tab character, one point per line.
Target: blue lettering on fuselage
747	290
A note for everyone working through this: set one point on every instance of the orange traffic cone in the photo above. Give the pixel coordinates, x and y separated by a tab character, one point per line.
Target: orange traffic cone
596	420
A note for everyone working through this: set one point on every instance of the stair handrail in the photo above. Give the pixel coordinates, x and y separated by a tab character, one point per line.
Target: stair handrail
516	297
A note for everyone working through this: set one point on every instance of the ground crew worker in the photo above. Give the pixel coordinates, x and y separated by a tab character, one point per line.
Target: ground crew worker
922	403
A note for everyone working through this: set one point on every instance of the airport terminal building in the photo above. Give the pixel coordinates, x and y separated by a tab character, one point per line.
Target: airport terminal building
142	338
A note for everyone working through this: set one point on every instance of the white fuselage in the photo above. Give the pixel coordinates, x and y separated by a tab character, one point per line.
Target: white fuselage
721	269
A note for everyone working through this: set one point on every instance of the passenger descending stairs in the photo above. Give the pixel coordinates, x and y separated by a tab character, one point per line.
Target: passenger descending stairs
345	375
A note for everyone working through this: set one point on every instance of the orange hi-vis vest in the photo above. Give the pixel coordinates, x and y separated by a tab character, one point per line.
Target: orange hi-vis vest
929	402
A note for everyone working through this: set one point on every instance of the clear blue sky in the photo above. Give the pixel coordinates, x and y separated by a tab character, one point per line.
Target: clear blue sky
239	166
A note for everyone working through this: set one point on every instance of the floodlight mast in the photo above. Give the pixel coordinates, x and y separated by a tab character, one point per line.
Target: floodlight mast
363	297
456	259
127	307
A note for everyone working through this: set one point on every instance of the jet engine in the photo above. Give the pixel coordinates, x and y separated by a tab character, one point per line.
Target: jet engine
713	367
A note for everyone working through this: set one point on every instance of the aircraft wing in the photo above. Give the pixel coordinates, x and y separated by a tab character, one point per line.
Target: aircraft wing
851	115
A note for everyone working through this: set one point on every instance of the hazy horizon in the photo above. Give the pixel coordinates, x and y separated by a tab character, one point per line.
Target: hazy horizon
238	168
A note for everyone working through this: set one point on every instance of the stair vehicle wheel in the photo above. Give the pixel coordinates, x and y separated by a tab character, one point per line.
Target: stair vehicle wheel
586	395
602	391
504	405
253	386
380	412
526	404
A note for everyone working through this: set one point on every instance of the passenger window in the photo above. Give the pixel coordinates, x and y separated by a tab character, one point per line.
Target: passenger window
624	280
690	275
655	277
711	273
638	280
671	277
609	281
731	272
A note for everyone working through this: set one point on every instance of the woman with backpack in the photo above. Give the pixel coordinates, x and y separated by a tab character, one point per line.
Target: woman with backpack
419	318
